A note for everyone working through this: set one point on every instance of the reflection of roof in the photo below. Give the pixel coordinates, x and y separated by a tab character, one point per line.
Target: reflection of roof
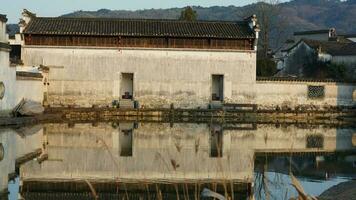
330	47
138	27
121	190
312	32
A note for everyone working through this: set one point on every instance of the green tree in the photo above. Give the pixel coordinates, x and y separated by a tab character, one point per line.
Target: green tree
266	67
188	14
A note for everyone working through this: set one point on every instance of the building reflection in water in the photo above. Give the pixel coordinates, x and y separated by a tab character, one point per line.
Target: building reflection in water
153	160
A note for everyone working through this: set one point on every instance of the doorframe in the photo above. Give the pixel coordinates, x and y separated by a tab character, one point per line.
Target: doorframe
222	97
133	84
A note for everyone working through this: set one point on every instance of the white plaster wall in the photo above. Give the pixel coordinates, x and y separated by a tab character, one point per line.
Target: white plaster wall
292	94
87	76
15	90
29	89
3	36
7	74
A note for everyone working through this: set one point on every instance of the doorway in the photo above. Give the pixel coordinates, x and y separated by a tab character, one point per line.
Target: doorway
216	142
125	138
127	86
217	88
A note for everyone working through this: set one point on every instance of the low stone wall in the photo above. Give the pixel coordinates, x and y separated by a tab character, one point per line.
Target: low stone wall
293	93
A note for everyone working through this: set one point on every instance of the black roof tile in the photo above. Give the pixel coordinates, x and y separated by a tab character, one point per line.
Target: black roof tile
138	27
332	47
312	32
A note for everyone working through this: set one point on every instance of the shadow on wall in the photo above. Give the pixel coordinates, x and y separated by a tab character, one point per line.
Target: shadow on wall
346	94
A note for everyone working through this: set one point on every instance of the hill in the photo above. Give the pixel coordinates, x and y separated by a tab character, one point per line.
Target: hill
296	15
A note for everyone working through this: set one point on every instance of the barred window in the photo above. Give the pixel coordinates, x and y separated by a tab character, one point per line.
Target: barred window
316	92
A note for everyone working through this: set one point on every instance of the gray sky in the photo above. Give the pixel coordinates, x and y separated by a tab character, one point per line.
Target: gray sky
13	8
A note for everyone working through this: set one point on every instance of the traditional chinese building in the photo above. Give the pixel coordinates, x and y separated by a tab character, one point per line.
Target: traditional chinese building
154	62
150	63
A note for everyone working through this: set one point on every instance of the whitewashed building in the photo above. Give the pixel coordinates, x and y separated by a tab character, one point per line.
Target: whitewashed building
154	62
16	82
157	63
299	56
7	73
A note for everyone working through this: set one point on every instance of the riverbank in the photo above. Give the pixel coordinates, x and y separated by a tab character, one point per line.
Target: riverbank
249	115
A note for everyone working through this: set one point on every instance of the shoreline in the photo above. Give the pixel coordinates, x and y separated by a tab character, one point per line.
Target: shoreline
335	117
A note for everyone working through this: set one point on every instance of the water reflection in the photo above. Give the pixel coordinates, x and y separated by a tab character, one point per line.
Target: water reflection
164	161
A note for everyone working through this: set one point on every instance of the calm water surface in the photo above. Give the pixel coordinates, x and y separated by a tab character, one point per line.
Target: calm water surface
124	160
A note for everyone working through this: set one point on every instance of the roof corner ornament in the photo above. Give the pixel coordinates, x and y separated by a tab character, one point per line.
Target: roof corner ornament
252	22
27	16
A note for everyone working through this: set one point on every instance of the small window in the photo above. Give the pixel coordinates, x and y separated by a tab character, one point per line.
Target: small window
315	141
2	90
316	92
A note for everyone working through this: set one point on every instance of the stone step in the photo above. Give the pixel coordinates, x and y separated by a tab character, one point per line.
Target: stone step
126	104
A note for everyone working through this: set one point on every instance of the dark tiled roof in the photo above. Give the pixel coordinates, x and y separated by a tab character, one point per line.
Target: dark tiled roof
138	27
332	47
312	32
3	18
350	35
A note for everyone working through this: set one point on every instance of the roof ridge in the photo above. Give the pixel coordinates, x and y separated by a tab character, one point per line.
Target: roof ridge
138	27
140	19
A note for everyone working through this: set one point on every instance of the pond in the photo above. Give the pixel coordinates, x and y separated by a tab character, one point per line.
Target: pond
143	160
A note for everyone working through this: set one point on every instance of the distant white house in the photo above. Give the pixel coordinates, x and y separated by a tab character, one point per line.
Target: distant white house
298	55
320	35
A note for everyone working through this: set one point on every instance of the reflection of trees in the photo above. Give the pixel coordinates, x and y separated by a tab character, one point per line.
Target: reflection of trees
263	183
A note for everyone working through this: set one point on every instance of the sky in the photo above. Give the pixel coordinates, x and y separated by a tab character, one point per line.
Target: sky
51	8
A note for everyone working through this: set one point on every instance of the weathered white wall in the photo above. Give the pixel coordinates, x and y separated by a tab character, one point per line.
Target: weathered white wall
29	89
3	35
87	76
92	76
292	94
7	73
